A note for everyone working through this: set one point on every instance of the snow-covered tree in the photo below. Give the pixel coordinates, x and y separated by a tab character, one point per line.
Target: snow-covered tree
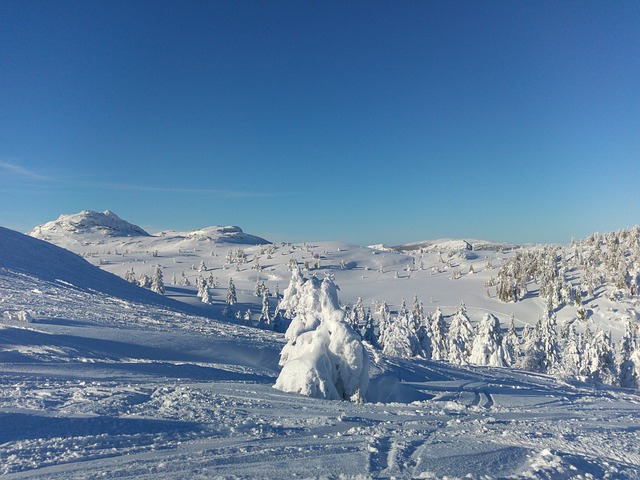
358	313
548	342
417	309
292	294
460	337
384	312
403	308
205	297
144	281
511	344
487	344
627	369
532	358
571	353
368	331
586	348
157	283
323	357
201	284
232	297
598	359
130	276
265	316
438	336
398	338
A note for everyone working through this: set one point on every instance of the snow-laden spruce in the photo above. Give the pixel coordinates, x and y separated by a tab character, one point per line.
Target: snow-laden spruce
460	337
324	357
487	345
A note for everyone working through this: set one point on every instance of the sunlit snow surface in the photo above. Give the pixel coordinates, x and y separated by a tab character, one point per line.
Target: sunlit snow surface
101	386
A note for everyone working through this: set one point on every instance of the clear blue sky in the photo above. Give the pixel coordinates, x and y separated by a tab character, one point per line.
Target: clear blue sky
376	121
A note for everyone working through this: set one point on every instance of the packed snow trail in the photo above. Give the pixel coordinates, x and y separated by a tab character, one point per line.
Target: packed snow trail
111	402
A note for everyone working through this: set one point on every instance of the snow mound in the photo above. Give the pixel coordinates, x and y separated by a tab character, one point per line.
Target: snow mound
454	245
323	357
104	223
380	246
228	234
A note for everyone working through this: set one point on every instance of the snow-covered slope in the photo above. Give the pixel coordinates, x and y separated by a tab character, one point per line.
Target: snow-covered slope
441	273
30	257
98	385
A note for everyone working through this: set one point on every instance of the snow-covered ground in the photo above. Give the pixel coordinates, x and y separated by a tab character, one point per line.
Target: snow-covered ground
440	273
103	379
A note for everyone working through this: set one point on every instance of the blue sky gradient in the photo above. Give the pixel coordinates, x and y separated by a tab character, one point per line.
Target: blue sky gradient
366	122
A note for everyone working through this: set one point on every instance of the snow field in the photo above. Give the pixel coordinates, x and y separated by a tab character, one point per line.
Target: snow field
99	381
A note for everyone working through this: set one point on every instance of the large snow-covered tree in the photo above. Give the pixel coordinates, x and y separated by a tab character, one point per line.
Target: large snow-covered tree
324	357
398	337
487	344
460	337
438	336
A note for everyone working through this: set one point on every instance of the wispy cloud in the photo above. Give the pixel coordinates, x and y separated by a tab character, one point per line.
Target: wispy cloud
218	193
19	170
16	170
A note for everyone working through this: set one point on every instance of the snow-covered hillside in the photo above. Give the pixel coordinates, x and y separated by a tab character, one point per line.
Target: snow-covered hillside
441	273
101	378
99	386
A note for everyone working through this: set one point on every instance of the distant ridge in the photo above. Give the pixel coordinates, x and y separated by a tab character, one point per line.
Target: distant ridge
89	227
452	244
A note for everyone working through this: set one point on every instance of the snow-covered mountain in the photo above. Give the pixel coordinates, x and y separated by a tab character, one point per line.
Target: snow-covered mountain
100	228
228	234
97	384
87	222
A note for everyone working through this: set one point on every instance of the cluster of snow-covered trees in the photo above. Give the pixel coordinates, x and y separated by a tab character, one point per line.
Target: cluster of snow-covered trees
567	277
588	356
